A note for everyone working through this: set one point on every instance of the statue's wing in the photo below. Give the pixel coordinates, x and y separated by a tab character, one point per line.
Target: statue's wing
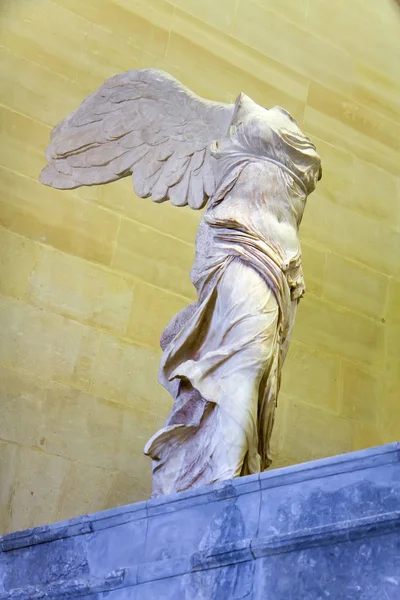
145	123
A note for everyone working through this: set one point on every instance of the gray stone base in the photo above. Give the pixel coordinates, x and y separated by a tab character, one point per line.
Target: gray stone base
324	529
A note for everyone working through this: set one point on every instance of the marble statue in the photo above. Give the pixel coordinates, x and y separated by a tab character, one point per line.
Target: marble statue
253	169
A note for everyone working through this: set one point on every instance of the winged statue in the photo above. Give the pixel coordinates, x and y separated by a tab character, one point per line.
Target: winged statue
252	169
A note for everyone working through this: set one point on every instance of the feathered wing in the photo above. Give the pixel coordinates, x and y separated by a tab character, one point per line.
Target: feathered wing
145	123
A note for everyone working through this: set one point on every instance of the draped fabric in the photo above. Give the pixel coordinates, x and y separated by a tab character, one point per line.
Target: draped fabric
223	364
223	355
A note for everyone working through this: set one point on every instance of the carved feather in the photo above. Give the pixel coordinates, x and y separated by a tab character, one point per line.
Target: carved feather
145	123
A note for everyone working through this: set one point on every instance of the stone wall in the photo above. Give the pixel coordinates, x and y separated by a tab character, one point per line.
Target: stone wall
324	529
89	278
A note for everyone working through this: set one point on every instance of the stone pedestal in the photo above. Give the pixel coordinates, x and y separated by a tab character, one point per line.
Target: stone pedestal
324	529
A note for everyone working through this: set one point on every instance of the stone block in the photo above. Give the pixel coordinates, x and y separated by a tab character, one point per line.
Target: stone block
367	435
351	285
221	16
375	194
236	66
37	488
233	582
351	234
75	53
337	181
241	61
355	116
314	264
361	394
388	410
374	41
257	536
18	256
78	425
138	425
229	515
128	593
311	432
46	344
325	326
309	55
65	559
329	496
137	428
394	302
66	422
116	547
393	348
311	376
280	461
290	8
85	490
56	218
154	257
129	488
22	400
23	140
126	371
34	83
146	23
79	290
120	197
8	473
353	569
109	435
151	310
335	130
375	89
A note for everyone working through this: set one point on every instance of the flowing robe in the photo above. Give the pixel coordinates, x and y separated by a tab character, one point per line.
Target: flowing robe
223	355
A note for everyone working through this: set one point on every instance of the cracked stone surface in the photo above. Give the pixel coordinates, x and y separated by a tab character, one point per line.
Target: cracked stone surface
254	537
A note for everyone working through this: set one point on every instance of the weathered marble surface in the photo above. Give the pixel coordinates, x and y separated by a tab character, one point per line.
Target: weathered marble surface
255	537
253	169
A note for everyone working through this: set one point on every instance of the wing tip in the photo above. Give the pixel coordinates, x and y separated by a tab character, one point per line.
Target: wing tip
52	178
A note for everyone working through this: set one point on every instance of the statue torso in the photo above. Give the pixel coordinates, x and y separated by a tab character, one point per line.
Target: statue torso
263	202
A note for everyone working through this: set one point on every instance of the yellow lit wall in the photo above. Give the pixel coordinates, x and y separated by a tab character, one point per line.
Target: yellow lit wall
89	278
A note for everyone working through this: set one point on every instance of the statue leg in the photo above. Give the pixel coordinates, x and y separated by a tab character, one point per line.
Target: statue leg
218	362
